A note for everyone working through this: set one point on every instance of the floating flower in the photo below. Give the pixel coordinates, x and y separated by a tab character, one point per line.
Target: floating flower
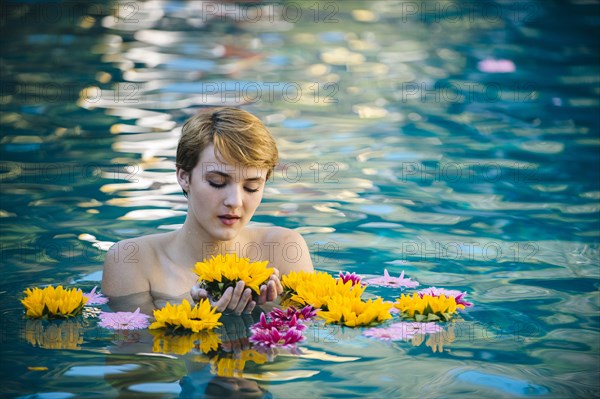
124	320
223	271
165	341
388	281
53	302
279	324
55	334
354	278
457	295
201	317
316	289
272	337
307	313
94	298
427	307
354	312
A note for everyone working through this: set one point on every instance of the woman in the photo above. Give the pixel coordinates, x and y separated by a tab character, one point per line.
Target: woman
224	159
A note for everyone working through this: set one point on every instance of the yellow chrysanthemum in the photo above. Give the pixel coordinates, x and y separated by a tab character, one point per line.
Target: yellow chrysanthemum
201	317
180	344
317	288
222	271
427	307
53	302
354	312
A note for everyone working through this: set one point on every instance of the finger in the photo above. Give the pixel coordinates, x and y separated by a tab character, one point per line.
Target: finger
236	345
243	302
271	291
237	295
225	299
278	285
262	297
250	307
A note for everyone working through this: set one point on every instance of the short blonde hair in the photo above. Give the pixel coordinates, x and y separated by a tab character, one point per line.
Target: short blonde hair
238	137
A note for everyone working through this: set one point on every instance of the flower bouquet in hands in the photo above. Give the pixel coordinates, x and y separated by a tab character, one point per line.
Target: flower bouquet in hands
220	272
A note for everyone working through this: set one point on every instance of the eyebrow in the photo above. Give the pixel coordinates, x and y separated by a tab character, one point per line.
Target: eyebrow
227	175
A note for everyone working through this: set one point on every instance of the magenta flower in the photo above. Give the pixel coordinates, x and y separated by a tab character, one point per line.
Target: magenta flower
457	295
388	281
124	320
345	277
272	337
402	331
490	65
278	324
95	298
307	313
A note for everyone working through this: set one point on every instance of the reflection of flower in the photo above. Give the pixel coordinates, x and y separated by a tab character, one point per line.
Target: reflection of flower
124	320
223	271
53	302
402	331
427	307
63	334
388	281
91	311
435	341
234	367
457	295
167	342
201	317
272	337
353	312
317	288
95	298
354	278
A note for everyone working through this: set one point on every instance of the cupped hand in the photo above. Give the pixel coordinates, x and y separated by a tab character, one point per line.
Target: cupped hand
237	300
270	291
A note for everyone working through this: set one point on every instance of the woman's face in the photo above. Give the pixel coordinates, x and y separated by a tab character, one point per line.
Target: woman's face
222	198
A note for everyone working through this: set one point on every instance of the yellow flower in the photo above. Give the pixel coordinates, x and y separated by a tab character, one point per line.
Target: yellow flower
354	312
201	317
63	334
427	307
180	344
222	271
53	302
317	288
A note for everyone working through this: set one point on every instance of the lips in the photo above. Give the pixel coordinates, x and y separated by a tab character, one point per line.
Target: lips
229	219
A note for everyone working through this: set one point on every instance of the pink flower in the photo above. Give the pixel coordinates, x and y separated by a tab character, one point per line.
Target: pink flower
387	281
307	313
402	331
345	277
124	320
490	65
95	298
272	337
278	324
457	295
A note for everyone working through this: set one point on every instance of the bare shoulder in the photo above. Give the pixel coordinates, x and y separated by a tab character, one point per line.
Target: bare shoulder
289	250
127	263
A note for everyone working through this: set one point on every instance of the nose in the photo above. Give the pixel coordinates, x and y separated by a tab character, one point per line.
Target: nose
233	199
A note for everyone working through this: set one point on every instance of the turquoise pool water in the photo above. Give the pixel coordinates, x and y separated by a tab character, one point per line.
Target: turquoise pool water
454	141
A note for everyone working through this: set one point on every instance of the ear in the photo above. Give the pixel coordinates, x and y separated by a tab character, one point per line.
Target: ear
183	178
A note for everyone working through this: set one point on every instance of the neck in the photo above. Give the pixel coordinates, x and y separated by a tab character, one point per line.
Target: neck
193	243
